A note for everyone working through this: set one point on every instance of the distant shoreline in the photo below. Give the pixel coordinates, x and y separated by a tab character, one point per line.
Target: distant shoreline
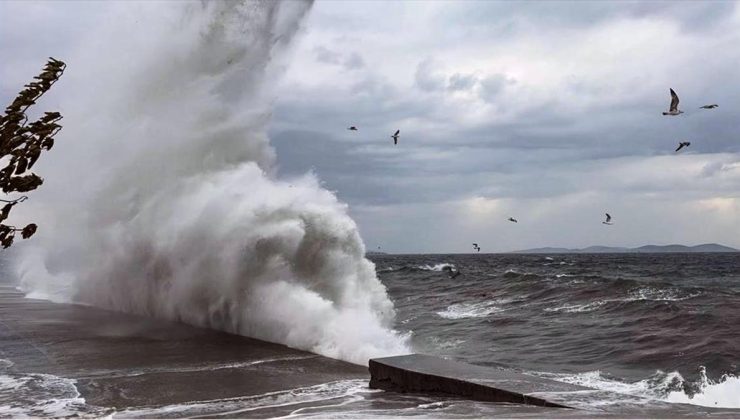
646	249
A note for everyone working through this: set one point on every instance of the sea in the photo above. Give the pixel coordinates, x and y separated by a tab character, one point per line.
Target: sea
657	333
657	326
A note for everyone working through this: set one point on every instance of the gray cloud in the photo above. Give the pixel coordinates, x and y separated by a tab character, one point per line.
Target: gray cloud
462	81
351	61
544	110
427	76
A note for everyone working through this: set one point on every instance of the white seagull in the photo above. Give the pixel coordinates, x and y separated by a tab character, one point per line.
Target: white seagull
395	136
673	110
608	220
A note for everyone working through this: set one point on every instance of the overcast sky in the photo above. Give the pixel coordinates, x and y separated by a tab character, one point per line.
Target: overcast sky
549	112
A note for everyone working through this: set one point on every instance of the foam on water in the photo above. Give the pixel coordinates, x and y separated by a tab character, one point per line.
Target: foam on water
663	386
470	310
574	308
724	393
435	267
40	395
332	392
175	211
637	295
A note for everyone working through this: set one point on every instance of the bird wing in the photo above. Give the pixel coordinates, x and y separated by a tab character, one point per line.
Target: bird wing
475	245
397	132
680	145
674	101
608	217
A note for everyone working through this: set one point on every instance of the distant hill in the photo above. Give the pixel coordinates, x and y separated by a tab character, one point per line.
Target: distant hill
617	250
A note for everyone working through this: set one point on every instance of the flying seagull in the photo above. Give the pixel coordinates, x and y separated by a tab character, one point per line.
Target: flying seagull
395	136
683	144
353	128
476	247
673	110
712	106
511	219
608	220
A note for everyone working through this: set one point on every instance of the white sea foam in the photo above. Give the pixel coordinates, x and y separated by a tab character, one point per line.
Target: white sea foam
161	197
582	307
471	310
40	395
435	267
347	391
641	294
656	294
724	393
663	386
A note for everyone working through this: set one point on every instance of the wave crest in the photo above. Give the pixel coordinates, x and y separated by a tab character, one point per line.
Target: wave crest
184	219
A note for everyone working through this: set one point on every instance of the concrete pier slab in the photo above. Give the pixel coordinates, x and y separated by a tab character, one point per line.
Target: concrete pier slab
422	373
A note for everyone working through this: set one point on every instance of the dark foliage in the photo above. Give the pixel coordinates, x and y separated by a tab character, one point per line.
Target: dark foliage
21	144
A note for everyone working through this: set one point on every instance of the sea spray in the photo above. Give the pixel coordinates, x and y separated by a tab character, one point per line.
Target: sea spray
162	199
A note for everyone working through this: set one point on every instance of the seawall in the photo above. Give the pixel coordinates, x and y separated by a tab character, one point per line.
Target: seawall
422	373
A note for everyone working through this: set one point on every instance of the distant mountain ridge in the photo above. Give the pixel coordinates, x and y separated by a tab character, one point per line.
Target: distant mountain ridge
647	249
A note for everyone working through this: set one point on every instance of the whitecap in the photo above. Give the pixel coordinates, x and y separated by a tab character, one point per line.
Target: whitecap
724	393
435	267
584	307
41	395
470	310
662	386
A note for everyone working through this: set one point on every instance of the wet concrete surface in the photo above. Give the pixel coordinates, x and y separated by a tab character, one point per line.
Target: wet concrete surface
121	360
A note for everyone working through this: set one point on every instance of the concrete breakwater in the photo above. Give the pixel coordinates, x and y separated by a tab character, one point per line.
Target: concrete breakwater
422	373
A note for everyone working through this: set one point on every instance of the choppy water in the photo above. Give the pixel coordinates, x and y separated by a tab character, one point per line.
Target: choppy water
646	328
664	326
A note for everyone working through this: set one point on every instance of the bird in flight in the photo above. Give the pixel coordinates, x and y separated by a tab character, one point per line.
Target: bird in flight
712	106
476	247
395	136
511	219
608	220
673	110
683	144
353	128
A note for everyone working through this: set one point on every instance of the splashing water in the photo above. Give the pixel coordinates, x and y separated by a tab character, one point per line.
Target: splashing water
724	393
664	386
163	200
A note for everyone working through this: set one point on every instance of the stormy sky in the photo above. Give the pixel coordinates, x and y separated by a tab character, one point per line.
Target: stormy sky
549	112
